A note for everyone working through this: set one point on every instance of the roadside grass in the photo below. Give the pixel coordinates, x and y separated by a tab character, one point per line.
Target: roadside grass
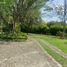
55	41
56	56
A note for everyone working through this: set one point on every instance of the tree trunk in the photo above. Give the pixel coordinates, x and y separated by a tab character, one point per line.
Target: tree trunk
64	22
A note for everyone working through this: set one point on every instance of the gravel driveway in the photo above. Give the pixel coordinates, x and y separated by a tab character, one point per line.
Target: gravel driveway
24	54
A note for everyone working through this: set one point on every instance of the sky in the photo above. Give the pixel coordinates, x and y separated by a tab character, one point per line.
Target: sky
49	16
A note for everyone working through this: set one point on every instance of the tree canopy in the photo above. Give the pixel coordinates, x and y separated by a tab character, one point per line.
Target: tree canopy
15	13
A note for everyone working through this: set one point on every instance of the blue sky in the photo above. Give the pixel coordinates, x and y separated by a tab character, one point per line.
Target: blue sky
51	15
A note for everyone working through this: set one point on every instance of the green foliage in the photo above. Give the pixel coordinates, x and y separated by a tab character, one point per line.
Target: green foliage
24	16
36	28
52	28
14	13
55	29
13	37
45	29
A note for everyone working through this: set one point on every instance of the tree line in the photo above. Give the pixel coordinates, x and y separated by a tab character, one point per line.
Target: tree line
18	16
51	28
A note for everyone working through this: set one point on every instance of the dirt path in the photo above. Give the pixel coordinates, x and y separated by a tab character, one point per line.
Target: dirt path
24	54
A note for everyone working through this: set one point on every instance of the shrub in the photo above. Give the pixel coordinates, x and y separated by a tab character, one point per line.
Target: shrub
45	30
10	36
66	29
55	29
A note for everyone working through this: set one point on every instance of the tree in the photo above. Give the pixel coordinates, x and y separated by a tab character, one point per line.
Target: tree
60	10
17	12
65	10
25	11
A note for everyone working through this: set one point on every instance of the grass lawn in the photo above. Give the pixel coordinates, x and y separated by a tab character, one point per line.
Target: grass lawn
56	56
55	41
59	43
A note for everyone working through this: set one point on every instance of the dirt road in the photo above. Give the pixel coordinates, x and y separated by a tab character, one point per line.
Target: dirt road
24	54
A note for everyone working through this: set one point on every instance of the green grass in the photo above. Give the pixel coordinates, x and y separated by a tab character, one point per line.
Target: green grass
56	56
59	43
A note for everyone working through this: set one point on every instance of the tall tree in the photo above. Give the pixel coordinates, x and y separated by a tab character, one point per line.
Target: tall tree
60	10
25	11
65	11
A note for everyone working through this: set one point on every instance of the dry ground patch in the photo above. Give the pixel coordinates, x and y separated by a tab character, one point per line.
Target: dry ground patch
24	54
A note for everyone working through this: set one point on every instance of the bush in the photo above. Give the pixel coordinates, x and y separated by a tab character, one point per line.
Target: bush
66	29
55	29
45	30
13	37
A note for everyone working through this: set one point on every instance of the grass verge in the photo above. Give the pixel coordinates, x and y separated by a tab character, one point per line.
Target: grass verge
59	43
56	56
